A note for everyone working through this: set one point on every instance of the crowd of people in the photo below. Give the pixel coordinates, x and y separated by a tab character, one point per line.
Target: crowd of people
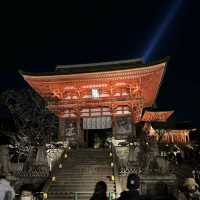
185	153
189	190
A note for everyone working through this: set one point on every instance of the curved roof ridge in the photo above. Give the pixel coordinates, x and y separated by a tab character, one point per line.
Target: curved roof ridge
106	68
137	60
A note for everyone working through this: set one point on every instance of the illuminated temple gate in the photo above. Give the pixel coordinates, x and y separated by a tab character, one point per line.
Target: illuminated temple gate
99	95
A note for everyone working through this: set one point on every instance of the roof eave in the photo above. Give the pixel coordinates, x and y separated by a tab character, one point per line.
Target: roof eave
166	62
23	73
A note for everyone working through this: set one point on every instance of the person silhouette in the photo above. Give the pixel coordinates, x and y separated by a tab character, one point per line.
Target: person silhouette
189	190
6	190
27	192
100	191
133	184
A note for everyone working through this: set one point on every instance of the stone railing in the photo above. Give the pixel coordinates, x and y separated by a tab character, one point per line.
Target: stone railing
17	167
116	160
38	170
120	158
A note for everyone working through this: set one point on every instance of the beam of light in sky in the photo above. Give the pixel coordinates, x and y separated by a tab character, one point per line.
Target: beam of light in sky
162	29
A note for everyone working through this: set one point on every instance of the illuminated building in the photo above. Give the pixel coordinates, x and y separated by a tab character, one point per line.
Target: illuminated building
99	95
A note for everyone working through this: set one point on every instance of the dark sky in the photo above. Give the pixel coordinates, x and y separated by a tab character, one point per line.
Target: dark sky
93	31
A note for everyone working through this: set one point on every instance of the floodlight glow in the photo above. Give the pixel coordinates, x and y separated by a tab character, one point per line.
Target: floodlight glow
162	29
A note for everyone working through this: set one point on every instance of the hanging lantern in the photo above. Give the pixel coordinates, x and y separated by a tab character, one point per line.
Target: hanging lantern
112	178
112	164
110	154
45	195
60	166
53	178
65	155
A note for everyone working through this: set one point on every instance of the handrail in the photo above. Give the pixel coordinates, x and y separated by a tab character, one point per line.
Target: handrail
44	195
45	188
116	159
110	195
117	169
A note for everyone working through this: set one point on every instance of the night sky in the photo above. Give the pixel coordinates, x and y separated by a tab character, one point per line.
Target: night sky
96	31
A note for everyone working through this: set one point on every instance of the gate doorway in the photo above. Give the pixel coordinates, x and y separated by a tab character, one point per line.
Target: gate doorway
96	138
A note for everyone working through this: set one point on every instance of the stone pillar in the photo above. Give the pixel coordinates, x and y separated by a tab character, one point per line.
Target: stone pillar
157	185
80	134
41	157
113	127
62	122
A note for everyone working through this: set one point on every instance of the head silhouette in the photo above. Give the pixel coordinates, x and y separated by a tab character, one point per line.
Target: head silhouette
100	191
100	187
133	182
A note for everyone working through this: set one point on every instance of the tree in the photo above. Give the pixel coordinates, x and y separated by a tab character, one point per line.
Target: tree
35	125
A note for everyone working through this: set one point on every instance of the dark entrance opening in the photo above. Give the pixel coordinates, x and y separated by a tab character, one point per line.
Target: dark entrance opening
96	138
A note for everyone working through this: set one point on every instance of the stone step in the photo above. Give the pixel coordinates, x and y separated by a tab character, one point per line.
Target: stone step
78	167
83	181
86	161
80	172
78	181
68	197
84	168
84	165
84	172
72	179
83	177
87	170
71	196
76	188
88	150
87	156
104	161
81	184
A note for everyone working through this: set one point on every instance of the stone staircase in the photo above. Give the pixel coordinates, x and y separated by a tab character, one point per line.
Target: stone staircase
80	171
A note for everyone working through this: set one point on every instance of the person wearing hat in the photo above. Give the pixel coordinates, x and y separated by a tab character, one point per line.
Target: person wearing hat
190	190
133	184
